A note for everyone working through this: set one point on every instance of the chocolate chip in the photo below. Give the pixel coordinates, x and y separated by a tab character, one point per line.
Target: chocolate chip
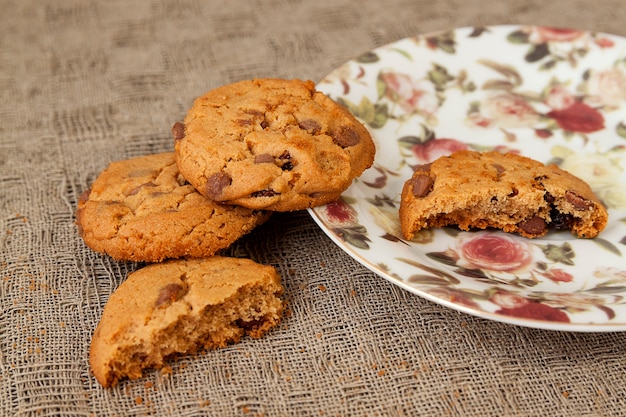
216	183
264	193
346	136
285	161
534	226
561	221
422	185
579	203
178	131
499	169
170	293
264	158
549	198
311	126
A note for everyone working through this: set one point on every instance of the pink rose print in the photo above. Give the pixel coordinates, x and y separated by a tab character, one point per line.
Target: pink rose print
339	213
578	117
509	110
435	148
535	311
559	98
507	299
494	252
412	95
606	88
454	296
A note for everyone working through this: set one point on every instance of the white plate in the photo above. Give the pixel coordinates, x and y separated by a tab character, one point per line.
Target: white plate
554	95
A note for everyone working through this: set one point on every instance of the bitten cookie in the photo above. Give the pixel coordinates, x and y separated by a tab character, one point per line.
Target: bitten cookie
271	144
185	306
142	209
504	191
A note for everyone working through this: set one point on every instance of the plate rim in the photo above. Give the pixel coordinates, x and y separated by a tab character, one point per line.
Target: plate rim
491	316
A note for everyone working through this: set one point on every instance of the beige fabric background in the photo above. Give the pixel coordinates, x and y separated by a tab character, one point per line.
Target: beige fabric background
86	83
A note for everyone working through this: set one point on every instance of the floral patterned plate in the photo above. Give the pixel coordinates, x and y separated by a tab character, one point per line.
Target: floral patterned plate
555	95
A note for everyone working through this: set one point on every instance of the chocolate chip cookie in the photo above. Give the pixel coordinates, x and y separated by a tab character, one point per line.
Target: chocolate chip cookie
185	306
271	144
142	209
504	191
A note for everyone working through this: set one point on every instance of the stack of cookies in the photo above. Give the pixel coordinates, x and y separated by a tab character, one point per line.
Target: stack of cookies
243	151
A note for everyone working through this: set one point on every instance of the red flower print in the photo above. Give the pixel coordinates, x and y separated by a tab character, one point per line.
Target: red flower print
435	148
543	34
411	94
605	43
338	213
535	311
558	275
578	117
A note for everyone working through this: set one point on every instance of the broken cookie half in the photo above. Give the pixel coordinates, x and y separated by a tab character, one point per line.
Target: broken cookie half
479	190
182	307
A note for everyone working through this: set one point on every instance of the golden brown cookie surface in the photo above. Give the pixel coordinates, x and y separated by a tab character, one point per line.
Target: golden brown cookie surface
504	191
185	306
271	144
142	209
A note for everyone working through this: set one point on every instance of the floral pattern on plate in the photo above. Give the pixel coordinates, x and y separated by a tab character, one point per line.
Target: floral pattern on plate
555	95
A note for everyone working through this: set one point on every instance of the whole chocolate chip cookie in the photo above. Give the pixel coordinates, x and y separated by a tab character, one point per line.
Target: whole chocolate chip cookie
185	306
142	209
504	191
271	144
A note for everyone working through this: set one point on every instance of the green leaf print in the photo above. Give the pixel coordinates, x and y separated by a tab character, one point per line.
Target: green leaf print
621	129
518	37
373	114
563	254
537	52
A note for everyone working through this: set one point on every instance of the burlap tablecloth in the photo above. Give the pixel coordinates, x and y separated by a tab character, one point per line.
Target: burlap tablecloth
86	83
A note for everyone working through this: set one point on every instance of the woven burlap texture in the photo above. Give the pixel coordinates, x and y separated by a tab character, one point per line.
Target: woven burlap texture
84	83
